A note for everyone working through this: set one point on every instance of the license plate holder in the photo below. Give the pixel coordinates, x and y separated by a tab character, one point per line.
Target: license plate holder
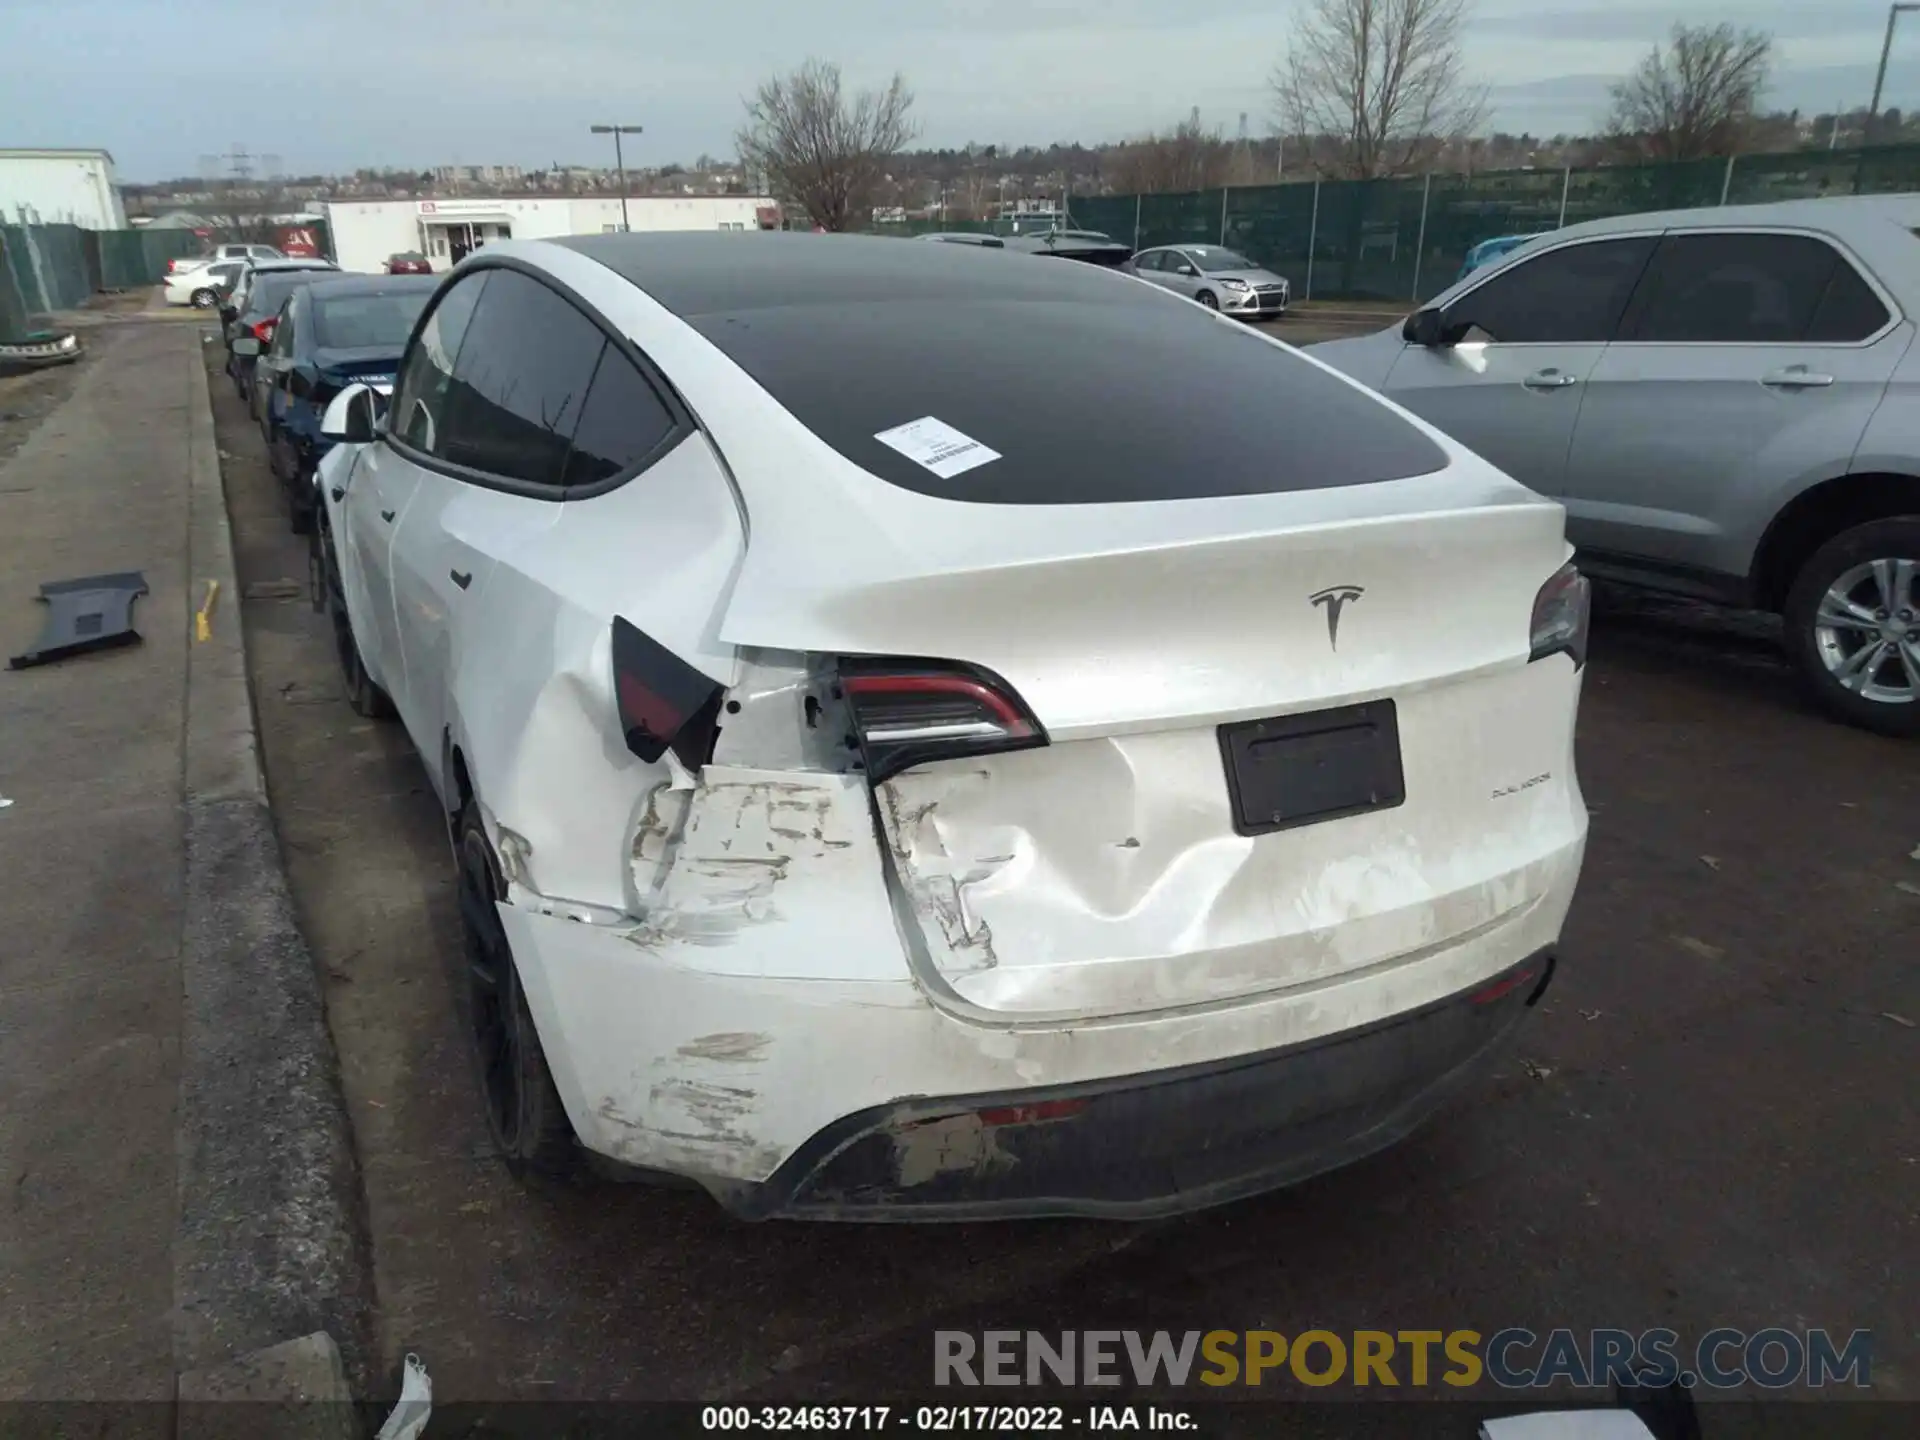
1293	770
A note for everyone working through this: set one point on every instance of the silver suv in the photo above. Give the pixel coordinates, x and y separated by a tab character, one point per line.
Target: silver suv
1723	399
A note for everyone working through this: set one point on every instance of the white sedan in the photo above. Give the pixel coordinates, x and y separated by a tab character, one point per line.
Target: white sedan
1106	773
203	286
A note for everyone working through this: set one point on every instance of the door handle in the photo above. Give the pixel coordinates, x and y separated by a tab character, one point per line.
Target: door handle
1549	379
1796	377
462	578
387	515
339	493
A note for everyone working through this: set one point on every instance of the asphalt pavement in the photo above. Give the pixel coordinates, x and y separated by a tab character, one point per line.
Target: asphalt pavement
1711	1121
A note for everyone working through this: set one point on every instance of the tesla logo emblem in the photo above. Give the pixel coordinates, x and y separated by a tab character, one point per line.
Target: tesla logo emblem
1334	597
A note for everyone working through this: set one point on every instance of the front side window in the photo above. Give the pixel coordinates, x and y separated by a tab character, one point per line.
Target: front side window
426	374
1732	289
1571	296
520	382
1213	260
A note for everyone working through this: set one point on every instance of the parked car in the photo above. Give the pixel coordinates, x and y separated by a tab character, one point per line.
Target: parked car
254	309
1724	399
967	237
409	262
332	331
1155	829
205	287
1218	278
1488	251
182	263
1088	246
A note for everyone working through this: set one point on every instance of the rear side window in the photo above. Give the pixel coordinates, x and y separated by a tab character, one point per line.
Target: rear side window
1849	311
1571	296
366	322
624	421
426	377
1732	289
520	382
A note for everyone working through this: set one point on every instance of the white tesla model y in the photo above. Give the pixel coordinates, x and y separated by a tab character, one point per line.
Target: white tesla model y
929	732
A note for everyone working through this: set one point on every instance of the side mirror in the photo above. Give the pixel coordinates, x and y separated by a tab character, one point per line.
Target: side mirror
350	416
1426	328
246	345
1190	272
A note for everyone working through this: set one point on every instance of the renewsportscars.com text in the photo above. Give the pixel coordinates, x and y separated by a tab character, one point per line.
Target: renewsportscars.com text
1514	1359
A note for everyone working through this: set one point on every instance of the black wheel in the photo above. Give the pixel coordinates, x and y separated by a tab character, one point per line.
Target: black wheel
524	1115
1205	297
363	695
1853	625
204	299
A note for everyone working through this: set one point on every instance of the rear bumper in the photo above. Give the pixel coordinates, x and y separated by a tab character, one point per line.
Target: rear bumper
1146	1146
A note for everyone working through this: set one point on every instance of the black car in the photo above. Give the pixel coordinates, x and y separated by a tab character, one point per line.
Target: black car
255	305
331	332
1088	246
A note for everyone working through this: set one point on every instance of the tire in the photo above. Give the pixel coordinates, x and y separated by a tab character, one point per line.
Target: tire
365	697
528	1124
302	504
1855	668
204	299
1205	297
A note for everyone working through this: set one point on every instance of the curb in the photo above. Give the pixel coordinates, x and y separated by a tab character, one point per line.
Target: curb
268	1245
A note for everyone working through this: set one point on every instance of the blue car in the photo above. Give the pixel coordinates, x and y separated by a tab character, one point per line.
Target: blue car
331	333
1487	251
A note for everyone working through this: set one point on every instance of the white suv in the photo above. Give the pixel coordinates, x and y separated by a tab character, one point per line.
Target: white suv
886	781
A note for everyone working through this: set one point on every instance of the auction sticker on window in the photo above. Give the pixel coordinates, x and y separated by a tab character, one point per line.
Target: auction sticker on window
937	446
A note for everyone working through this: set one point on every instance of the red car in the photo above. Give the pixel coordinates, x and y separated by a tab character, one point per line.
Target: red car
408	262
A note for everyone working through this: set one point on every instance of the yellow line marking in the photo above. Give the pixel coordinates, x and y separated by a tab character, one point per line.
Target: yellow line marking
202	623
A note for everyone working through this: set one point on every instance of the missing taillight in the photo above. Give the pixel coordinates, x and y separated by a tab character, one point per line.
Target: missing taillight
1561	616
910	712
664	702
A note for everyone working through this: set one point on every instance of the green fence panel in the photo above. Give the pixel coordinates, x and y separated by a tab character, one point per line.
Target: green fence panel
1109	214
1271	225
13	301
1366	242
1812	174
1192	218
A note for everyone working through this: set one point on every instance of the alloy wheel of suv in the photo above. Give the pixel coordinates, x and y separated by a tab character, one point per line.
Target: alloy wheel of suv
1853	622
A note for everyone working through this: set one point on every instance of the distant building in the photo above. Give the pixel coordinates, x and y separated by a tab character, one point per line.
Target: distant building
477	174
366	232
60	187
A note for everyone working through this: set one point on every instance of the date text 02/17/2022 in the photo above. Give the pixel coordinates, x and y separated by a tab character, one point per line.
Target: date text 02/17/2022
940	1419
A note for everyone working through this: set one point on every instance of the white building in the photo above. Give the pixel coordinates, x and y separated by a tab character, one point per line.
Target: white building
60	187
366	232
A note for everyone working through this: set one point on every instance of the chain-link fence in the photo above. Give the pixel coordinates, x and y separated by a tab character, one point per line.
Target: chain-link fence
56	267
1406	240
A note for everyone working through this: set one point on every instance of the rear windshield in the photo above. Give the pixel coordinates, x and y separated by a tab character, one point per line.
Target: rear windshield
1109	399
367	322
270	290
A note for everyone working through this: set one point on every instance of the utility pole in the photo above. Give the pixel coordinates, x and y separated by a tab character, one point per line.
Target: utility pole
619	161
1880	79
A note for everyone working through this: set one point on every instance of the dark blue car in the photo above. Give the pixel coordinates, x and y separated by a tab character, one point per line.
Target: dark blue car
331	333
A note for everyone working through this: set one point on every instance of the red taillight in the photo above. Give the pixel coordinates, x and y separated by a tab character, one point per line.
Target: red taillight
263	330
1032	1114
1502	987
664	702
908	712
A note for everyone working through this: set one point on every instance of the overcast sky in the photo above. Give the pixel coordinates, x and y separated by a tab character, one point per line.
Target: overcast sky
338	84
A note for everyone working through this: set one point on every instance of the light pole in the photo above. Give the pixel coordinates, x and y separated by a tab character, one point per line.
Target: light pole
1880	79
619	163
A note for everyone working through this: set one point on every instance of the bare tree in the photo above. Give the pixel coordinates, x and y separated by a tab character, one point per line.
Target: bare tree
1696	98
1187	157
1382	78
821	150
